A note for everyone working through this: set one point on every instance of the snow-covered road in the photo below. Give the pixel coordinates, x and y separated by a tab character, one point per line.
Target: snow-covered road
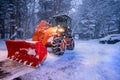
88	61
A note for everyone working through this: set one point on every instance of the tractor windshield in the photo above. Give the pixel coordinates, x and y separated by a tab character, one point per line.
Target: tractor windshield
63	21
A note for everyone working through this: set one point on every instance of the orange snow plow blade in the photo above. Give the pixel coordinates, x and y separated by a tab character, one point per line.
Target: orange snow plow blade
27	52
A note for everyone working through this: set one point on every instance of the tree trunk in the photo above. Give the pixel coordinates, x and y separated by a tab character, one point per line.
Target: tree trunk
12	17
119	27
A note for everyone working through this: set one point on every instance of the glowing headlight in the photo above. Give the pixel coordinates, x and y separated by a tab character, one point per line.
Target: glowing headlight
61	30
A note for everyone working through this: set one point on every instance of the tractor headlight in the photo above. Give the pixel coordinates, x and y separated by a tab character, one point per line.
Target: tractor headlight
61	30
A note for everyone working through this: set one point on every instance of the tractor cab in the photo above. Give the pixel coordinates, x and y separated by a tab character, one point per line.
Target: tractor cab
63	21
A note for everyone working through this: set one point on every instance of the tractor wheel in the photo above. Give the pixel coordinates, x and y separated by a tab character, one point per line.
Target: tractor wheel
71	44
58	46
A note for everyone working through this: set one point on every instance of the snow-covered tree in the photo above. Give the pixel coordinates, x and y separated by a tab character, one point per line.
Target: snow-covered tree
96	17
3	16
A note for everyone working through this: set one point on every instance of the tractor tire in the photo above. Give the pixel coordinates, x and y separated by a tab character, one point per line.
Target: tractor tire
58	46
71	44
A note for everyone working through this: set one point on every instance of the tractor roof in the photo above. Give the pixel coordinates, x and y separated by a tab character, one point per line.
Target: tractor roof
65	16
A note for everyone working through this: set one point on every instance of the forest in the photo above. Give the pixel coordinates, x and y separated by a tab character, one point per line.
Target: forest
92	19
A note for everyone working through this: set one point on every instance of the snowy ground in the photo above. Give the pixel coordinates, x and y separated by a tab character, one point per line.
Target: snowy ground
88	61
3	51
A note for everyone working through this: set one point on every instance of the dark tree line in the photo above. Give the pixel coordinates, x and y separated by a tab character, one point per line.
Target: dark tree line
21	17
10	17
92	18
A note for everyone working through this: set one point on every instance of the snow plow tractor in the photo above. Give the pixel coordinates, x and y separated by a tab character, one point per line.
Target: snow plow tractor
56	34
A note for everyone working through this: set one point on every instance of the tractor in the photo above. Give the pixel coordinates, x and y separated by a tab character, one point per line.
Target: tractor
56	34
